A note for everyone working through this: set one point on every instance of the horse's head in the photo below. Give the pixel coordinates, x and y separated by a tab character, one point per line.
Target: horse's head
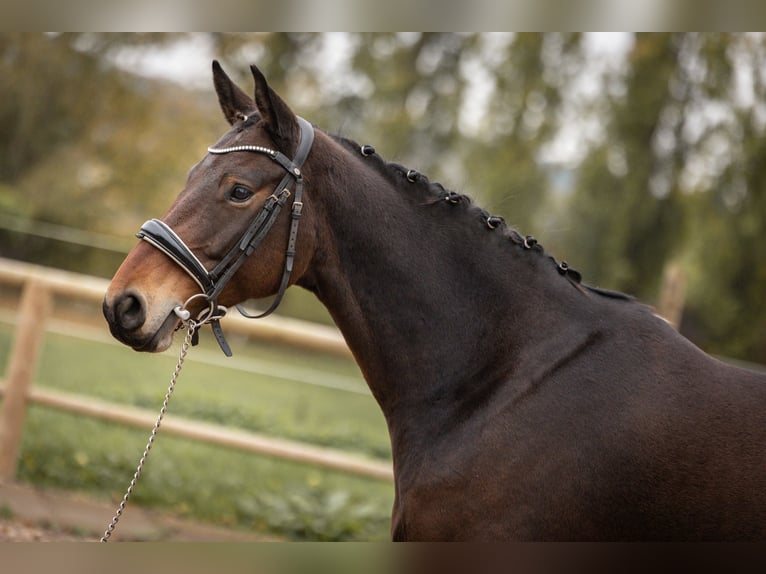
228	219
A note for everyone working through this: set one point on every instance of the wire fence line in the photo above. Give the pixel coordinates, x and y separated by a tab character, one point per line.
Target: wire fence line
65	233
262	367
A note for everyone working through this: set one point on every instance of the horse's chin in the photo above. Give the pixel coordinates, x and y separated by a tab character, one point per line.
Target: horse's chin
156	344
159	341
163	338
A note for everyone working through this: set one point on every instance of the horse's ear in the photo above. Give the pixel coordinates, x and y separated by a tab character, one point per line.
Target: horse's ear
277	115
235	103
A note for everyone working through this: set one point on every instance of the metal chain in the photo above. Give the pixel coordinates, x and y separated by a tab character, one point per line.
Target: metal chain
191	327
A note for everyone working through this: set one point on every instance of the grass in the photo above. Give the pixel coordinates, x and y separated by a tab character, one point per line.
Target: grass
205	482
231	397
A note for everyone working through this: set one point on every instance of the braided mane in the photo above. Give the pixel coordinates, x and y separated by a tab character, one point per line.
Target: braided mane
402	177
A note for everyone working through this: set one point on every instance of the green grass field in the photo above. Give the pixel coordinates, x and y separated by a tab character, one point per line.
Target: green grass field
205	482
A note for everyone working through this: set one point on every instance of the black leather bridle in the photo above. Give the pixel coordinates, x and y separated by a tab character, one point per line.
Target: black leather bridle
212	283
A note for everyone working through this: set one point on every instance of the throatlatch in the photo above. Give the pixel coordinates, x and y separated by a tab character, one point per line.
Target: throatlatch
211	283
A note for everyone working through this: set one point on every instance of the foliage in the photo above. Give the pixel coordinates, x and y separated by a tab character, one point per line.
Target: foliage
679	177
631	223
202	482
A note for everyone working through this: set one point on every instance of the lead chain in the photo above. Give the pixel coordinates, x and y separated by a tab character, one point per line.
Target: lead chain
191	327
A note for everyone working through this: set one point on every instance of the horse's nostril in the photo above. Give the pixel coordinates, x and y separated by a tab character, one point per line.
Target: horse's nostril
129	312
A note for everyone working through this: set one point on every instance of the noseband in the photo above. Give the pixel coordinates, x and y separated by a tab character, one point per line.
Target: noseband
161	236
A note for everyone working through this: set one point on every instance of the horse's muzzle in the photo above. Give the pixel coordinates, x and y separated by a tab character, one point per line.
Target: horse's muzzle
126	315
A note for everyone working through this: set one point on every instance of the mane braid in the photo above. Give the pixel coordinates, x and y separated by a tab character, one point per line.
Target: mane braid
400	176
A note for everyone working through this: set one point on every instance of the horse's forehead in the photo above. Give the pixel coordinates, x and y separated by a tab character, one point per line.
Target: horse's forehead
213	165
243	134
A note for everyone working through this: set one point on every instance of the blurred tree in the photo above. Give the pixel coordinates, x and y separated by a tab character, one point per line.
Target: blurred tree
417	94
625	213
726	180
408	95
679	176
529	75
38	112
86	145
41	109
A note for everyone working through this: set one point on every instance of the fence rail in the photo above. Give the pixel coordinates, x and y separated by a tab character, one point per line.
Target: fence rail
276	329
40	285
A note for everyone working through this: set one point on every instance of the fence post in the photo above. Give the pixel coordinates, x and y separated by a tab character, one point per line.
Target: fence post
22	365
672	294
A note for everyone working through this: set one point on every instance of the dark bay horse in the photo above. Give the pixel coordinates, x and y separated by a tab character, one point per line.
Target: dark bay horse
521	404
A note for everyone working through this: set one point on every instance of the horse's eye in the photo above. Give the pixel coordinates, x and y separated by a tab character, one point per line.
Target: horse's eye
240	194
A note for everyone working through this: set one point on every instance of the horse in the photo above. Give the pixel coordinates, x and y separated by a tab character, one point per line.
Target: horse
521	403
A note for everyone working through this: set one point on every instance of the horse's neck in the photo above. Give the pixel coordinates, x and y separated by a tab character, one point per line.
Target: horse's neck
428	304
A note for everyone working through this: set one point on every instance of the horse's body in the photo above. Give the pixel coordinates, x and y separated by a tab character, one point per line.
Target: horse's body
520	404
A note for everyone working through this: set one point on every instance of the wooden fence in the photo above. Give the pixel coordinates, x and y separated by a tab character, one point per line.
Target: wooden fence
41	285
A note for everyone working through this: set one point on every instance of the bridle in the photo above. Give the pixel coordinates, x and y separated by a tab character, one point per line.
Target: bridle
212	283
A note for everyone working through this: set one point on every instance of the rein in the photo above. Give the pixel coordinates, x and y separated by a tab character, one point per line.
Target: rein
212	283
